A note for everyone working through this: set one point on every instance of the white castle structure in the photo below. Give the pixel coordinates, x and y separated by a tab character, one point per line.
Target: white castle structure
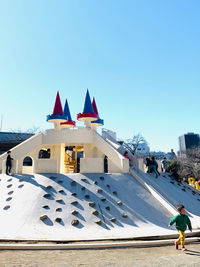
72	183
64	143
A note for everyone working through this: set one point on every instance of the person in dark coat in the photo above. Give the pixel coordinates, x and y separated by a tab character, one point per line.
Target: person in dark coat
8	163
155	166
149	165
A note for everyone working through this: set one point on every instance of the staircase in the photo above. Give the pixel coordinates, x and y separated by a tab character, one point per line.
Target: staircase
70	163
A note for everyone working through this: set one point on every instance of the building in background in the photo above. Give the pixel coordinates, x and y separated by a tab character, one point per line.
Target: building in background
159	155
188	141
9	139
142	149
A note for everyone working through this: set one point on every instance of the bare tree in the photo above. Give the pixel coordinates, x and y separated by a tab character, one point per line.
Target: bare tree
133	143
190	165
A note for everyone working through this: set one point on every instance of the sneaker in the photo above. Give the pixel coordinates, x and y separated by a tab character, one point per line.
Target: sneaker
184	249
176	245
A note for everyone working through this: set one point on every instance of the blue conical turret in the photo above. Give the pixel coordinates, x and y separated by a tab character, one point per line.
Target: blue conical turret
88	105
69	123
66	112
88	111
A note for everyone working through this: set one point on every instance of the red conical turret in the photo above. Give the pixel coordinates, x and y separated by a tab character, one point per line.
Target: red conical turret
95	107
57	116
98	122
57	106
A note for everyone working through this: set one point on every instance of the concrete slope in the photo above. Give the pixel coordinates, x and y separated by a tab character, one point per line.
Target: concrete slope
40	207
174	193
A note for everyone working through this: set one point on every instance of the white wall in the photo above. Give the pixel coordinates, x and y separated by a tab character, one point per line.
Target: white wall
46	166
95	147
69	136
112	168
91	165
141	165
27	169
113	155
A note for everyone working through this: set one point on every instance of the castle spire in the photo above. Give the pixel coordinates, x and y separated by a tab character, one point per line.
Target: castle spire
57	106
69	123
57	116
88	114
98	122
95	107
88	108
67	111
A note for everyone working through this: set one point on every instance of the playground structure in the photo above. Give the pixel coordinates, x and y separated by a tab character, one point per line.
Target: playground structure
71	183
70	149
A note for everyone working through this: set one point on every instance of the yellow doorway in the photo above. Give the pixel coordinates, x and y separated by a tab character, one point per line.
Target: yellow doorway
72	158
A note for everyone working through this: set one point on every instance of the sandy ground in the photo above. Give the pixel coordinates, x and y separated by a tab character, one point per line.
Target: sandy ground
154	256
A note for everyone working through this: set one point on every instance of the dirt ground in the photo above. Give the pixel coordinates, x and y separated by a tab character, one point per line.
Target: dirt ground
153	256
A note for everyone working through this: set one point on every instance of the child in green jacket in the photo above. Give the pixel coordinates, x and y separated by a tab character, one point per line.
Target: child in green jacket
182	221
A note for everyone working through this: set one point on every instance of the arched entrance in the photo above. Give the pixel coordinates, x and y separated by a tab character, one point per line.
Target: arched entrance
27	167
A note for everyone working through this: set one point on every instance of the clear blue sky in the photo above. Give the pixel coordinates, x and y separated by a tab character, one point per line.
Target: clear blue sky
140	59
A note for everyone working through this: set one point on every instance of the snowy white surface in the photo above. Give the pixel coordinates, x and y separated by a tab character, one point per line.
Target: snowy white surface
22	201
176	193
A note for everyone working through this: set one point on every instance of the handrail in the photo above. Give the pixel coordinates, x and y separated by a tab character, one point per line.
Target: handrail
23	148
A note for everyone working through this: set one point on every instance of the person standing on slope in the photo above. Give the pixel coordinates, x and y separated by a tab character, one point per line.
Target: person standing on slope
8	163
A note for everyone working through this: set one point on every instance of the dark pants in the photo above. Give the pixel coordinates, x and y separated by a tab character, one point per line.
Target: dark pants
8	169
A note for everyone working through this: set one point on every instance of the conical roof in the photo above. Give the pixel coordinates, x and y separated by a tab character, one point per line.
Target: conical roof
98	122
69	123
95	107
88	111
67	111
57	111
88	105
57	106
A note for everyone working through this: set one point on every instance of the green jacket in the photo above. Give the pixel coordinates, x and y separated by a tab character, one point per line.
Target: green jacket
182	221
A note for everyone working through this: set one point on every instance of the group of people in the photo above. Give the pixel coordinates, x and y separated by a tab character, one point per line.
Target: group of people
152	166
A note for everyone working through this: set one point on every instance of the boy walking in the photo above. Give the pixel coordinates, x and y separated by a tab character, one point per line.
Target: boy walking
8	163
182	221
